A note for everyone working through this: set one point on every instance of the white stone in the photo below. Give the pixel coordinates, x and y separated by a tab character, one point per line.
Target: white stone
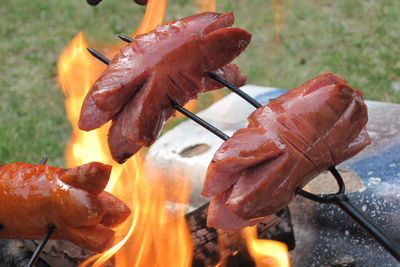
165	155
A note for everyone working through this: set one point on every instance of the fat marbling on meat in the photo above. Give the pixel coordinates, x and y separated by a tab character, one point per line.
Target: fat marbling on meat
170	63
287	143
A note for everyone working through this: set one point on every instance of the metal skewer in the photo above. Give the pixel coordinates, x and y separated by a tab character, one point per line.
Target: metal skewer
200	121
126	38
99	56
46	237
44	161
340	199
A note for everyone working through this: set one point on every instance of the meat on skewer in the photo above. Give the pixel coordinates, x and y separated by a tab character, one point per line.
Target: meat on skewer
287	143
32	197
170	63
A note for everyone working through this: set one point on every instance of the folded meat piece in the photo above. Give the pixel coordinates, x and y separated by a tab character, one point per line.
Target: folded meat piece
286	144
170	63
35	196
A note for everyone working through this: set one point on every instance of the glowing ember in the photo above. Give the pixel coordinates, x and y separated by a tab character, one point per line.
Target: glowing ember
153	235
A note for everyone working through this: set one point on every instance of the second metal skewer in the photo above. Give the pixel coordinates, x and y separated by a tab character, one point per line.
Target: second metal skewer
46	237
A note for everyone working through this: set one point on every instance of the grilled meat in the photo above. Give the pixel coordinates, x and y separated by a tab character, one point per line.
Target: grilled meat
73	200
170	63
286	144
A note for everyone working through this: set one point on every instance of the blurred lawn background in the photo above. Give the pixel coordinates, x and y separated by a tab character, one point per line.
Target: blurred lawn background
357	39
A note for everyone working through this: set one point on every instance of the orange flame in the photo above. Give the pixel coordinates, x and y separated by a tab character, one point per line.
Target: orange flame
153	235
153	16
206	5
280	9
266	253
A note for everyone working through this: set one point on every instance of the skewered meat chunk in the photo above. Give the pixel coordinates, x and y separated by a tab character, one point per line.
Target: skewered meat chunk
286	144
170	63
73	200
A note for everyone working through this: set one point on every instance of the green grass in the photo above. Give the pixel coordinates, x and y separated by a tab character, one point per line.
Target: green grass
357	39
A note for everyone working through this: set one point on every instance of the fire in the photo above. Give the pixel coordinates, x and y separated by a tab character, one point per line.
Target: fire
152	235
280	10
154	16
266	253
206	5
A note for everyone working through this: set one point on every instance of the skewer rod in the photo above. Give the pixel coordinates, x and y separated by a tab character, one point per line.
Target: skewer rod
343	202
235	89
43	161
200	121
46	237
126	38
99	56
41	245
369	226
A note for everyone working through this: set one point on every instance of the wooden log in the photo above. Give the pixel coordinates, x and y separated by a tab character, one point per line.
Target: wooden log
207	246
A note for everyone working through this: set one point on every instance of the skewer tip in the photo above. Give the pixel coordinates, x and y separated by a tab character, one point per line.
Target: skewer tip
99	56
126	38
44	161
